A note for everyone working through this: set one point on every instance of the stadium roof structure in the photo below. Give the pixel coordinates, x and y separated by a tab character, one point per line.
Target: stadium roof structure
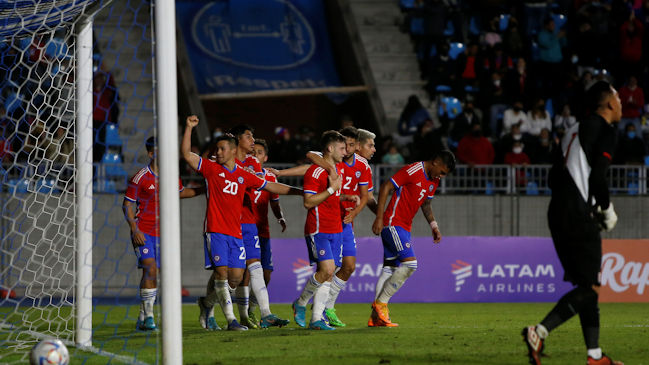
26	17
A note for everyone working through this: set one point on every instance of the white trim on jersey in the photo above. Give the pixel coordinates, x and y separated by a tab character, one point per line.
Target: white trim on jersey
140	174
413	169
317	172
575	160
394	208
317	221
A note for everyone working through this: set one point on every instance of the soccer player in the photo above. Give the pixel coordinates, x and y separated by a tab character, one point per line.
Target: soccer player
366	148
261	202
355	173
254	275
413	186
323	230
579	208
224	252
142	191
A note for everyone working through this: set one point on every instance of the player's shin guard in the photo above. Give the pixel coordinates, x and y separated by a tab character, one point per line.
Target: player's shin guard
570	304
386	273
258	286
392	285
148	299
241	297
309	289
320	300
589	317
222	292
337	284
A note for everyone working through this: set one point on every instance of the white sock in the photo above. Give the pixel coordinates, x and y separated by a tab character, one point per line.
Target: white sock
337	284
241	297
386	273
542	331
148	299
252	304
320	300
595	353
221	289
309	289
392	285
259	287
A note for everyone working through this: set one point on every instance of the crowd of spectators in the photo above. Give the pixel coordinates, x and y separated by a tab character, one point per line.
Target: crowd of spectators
518	71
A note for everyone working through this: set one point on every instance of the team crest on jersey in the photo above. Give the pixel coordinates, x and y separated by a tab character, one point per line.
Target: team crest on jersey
430	188
322	252
358	174
240	180
217	258
145	251
407	244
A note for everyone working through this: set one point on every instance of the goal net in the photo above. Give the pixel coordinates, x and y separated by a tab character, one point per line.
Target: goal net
40	155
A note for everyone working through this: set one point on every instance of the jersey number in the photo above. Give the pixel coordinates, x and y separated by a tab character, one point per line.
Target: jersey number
349	181
421	194
243	253
231	187
257	195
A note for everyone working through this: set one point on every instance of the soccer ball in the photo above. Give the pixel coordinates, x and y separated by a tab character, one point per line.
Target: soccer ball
50	351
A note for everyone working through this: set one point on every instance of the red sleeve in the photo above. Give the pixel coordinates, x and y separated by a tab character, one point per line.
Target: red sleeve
431	194
180	185
272	178
312	181
131	191
366	177
206	167
401	177
252	180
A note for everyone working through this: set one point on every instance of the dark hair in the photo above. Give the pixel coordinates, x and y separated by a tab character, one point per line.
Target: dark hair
330	137
150	144
350	132
240	129
447	157
225	137
263	143
597	94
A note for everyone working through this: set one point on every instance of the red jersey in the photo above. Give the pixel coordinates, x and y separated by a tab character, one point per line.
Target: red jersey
412	186
370	186
262	198
143	190
356	174
225	193
325	217
252	163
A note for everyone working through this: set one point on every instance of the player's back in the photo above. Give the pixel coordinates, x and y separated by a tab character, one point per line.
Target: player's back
325	217
354	175
412	187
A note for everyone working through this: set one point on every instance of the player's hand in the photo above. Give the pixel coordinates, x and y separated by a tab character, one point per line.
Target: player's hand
192	121
377	226
350	216
356	199
275	172
607	218
137	237
437	235
282	222
335	182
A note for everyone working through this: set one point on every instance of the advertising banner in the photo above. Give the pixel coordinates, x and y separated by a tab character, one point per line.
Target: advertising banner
252	45
470	269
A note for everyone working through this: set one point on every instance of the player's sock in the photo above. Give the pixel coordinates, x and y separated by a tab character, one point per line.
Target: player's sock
392	285
241	297
386	273
589	318
148	299
221	289
595	353
320	300
542	331
252	304
259	287
569	305
337	284
309	289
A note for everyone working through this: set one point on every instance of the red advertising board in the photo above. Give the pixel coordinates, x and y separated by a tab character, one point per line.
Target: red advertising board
625	271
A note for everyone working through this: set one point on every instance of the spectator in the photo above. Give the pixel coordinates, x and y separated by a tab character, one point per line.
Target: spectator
586	46
513	40
537	119
550	57
632	98
475	149
498	61
542	149
284	147
393	157
105	110
631	148
516	115
494	100
506	142
442	70
462	124
631	34
413	115
565	120
516	81
492	36
516	157
467	65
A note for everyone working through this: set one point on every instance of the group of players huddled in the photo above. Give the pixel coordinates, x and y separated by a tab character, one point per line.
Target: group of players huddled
337	186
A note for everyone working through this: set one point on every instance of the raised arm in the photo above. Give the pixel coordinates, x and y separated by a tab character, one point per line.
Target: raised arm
317	159
186	145
292	171
384	192
427	209
282	189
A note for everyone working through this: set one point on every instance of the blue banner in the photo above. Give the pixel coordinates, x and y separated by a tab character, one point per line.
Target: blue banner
242	46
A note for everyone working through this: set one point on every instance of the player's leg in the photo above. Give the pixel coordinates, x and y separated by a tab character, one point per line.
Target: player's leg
267	266
148	261
347	267
242	293
319	249
236	268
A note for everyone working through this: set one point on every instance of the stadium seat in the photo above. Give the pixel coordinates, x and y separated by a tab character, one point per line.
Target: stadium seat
474	27
112	164
57	48
534	51
450	29
112	136
417	26
504	22
18	185
559	22
453	106
632	188
104	186
12	101
646	160
549	107
471	89
532	188
489	188
46	186
407	4
456	49
441	89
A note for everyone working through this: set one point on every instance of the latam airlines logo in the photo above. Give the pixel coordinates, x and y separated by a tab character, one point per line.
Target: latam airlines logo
215	34
504	278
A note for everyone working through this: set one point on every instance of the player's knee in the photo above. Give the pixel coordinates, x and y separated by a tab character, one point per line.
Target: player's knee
346	271
409	266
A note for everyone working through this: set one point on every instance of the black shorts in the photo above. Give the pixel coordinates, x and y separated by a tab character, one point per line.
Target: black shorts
577	239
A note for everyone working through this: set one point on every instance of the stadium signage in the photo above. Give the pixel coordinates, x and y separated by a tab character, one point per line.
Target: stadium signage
625	271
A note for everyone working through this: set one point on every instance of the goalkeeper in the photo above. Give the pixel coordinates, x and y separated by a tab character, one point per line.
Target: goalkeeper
579	209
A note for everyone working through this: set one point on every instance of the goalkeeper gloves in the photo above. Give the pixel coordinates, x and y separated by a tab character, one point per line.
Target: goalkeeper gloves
607	218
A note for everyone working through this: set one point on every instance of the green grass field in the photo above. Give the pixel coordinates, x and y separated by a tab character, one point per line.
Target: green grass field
446	333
